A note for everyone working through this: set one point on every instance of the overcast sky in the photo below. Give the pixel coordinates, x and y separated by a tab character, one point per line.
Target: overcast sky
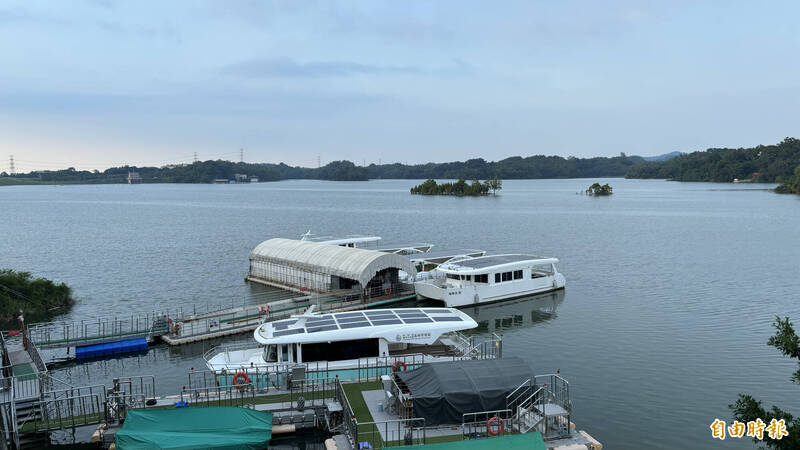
97	83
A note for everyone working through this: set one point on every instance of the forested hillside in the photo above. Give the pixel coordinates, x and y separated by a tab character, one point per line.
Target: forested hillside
764	163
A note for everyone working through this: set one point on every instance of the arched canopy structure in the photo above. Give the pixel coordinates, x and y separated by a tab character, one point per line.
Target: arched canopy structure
320	267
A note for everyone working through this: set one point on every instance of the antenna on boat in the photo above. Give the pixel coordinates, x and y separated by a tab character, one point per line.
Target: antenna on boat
305	236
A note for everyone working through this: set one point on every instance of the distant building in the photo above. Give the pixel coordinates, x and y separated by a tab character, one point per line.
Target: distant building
220	181
134	178
254	179
240	177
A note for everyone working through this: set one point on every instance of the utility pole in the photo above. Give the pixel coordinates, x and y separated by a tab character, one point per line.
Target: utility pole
11	164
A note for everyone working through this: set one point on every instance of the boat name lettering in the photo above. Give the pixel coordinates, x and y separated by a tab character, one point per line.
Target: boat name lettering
412	336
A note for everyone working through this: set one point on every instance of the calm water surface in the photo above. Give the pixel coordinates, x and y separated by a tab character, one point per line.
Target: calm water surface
671	287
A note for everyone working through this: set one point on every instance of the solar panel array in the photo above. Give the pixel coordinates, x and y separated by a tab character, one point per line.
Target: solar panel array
361	319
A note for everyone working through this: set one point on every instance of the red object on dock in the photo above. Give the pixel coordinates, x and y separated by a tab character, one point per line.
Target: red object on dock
13	333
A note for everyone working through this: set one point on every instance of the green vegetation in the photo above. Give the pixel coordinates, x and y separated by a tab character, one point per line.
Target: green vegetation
765	164
748	409
38	298
516	167
791	187
596	189
460	188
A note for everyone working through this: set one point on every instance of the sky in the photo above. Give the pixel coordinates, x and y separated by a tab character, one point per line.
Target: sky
100	83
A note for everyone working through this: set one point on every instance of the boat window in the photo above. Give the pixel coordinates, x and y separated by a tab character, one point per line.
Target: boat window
541	270
482	278
294	353
337	351
468	277
285	353
453	276
271	353
517	274
497	278
506	276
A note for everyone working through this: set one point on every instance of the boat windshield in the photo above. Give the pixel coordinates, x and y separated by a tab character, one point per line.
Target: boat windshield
271	353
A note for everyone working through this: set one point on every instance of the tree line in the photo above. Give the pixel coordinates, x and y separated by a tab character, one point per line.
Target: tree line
516	167
763	163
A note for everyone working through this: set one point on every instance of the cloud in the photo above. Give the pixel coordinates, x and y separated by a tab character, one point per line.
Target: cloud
275	68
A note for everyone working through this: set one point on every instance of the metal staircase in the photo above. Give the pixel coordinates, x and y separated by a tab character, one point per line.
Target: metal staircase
541	404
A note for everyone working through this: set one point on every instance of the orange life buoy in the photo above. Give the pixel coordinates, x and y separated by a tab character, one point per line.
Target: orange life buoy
397	365
244	382
495	421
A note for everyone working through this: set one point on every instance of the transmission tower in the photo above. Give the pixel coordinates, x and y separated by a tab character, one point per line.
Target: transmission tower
11	164
241	155
319	163
195	156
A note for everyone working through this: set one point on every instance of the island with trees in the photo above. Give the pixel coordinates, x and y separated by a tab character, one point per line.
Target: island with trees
597	190
460	188
37	298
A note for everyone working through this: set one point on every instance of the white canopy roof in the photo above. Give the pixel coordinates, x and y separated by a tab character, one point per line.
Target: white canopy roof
345	262
412	325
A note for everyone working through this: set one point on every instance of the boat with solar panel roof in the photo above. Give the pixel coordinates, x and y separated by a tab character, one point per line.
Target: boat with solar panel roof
345	344
468	281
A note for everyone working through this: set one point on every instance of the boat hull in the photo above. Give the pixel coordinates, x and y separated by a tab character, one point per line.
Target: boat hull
458	297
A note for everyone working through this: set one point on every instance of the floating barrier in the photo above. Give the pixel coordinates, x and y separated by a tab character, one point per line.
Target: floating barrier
111	348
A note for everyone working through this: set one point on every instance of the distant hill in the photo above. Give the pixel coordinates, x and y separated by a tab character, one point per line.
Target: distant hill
764	163
516	167
663	157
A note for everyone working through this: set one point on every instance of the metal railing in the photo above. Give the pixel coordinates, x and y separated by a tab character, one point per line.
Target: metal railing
518	395
483	424
66	412
241	395
547	409
85	332
392	433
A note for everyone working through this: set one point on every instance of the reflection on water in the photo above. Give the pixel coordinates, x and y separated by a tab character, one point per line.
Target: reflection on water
521	312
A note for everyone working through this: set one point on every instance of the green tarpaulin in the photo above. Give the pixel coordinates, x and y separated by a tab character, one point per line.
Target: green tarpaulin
528	441
185	428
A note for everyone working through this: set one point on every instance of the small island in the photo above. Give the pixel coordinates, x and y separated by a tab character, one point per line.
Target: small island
598	190
460	188
37	298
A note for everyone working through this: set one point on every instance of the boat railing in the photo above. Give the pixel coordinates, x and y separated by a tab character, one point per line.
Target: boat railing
486	424
227	348
519	394
468	348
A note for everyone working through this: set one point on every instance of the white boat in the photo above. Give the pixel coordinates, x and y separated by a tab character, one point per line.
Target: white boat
368	243
341	344
485	279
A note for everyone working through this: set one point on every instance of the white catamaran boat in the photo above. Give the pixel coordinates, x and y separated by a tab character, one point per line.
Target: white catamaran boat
340	344
484	279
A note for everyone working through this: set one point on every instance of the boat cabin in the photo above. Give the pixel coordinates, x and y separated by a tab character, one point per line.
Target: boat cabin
359	334
497	269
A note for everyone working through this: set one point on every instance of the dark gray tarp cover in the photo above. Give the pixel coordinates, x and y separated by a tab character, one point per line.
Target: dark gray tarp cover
442	392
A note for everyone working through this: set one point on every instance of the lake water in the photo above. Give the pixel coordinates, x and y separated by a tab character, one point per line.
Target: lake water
671	287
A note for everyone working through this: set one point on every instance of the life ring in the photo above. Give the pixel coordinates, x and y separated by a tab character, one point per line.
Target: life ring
244	382
397	365
495	421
